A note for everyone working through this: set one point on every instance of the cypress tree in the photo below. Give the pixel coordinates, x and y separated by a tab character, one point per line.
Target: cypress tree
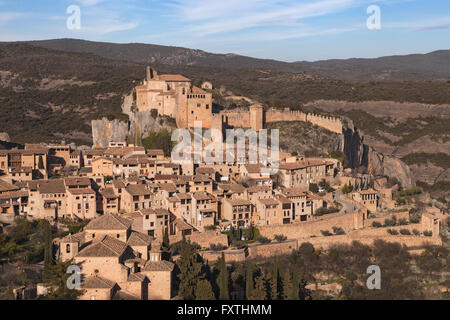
274	282
249	280
190	270
260	292
287	286
166	241
41	163
48	249
294	292
204	291
223	279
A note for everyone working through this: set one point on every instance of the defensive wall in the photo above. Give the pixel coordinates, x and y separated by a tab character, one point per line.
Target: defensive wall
257	118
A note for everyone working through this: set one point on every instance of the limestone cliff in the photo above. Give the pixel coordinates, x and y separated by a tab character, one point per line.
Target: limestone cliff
136	128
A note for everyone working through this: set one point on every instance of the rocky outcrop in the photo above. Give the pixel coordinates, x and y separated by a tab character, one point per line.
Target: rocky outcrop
139	125
381	165
359	155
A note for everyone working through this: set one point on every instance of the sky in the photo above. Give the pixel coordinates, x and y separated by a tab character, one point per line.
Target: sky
288	30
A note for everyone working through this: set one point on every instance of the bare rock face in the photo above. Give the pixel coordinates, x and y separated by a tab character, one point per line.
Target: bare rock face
4	137
105	131
391	167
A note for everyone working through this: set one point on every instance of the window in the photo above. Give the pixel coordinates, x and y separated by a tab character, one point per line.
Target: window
118	236
67	248
147	217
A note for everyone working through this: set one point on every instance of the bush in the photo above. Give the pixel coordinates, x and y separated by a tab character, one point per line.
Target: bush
323	210
403	222
263	240
427	233
390	222
376	224
280	237
313	188
326	233
217	247
405	232
392	232
154	113
338	231
416	232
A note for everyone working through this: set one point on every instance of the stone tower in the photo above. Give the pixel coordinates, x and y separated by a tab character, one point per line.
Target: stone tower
256	117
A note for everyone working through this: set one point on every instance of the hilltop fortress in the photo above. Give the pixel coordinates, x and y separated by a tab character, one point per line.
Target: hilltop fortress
174	95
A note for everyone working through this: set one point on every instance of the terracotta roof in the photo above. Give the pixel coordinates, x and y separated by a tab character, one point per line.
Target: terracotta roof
268	202
136	277
232	188
203	196
155	152
238	202
295	192
107	247
205	170
182	225
197	90
74	238
139	239
173	78
78	181
81	191
108	193
109	221
52	186
259	189
137	190
162	265
97	283
302	164
5	186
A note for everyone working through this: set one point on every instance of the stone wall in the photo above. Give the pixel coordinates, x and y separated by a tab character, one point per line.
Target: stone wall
348	222
206	239
230	255
272	249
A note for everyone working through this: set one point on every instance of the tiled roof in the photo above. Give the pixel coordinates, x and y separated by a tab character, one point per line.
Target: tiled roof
139	239
137	190
173	78
107	247
109	193
52	186
109	222
97	283
5	186
162	265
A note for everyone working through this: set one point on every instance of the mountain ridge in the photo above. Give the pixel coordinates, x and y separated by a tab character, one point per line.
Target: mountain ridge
433	66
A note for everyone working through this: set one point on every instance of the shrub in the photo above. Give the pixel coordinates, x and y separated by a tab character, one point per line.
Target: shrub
427	233
376	224
405	232
210	227
280	237
217	247
154	113
390	222
326	233
313	188
392	232
403	222
323	210
263	240
416	232
338	231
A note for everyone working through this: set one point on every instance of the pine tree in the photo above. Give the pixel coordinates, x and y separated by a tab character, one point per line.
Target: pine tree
204	291
249	280
190	270
260	292
223	279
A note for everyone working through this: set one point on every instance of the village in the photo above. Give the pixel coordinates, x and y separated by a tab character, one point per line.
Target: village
132	200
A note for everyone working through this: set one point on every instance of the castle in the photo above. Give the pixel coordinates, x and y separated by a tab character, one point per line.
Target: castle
174	95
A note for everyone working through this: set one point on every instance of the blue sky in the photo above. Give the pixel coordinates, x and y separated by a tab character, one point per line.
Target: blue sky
289	30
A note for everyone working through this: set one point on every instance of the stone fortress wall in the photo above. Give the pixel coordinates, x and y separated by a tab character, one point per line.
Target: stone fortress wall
256	118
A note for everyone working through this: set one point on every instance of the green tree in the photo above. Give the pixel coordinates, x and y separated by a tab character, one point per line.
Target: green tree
260	291
249	280
57	277
190	270
48	248
274	282
204	291
223	279
41	163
